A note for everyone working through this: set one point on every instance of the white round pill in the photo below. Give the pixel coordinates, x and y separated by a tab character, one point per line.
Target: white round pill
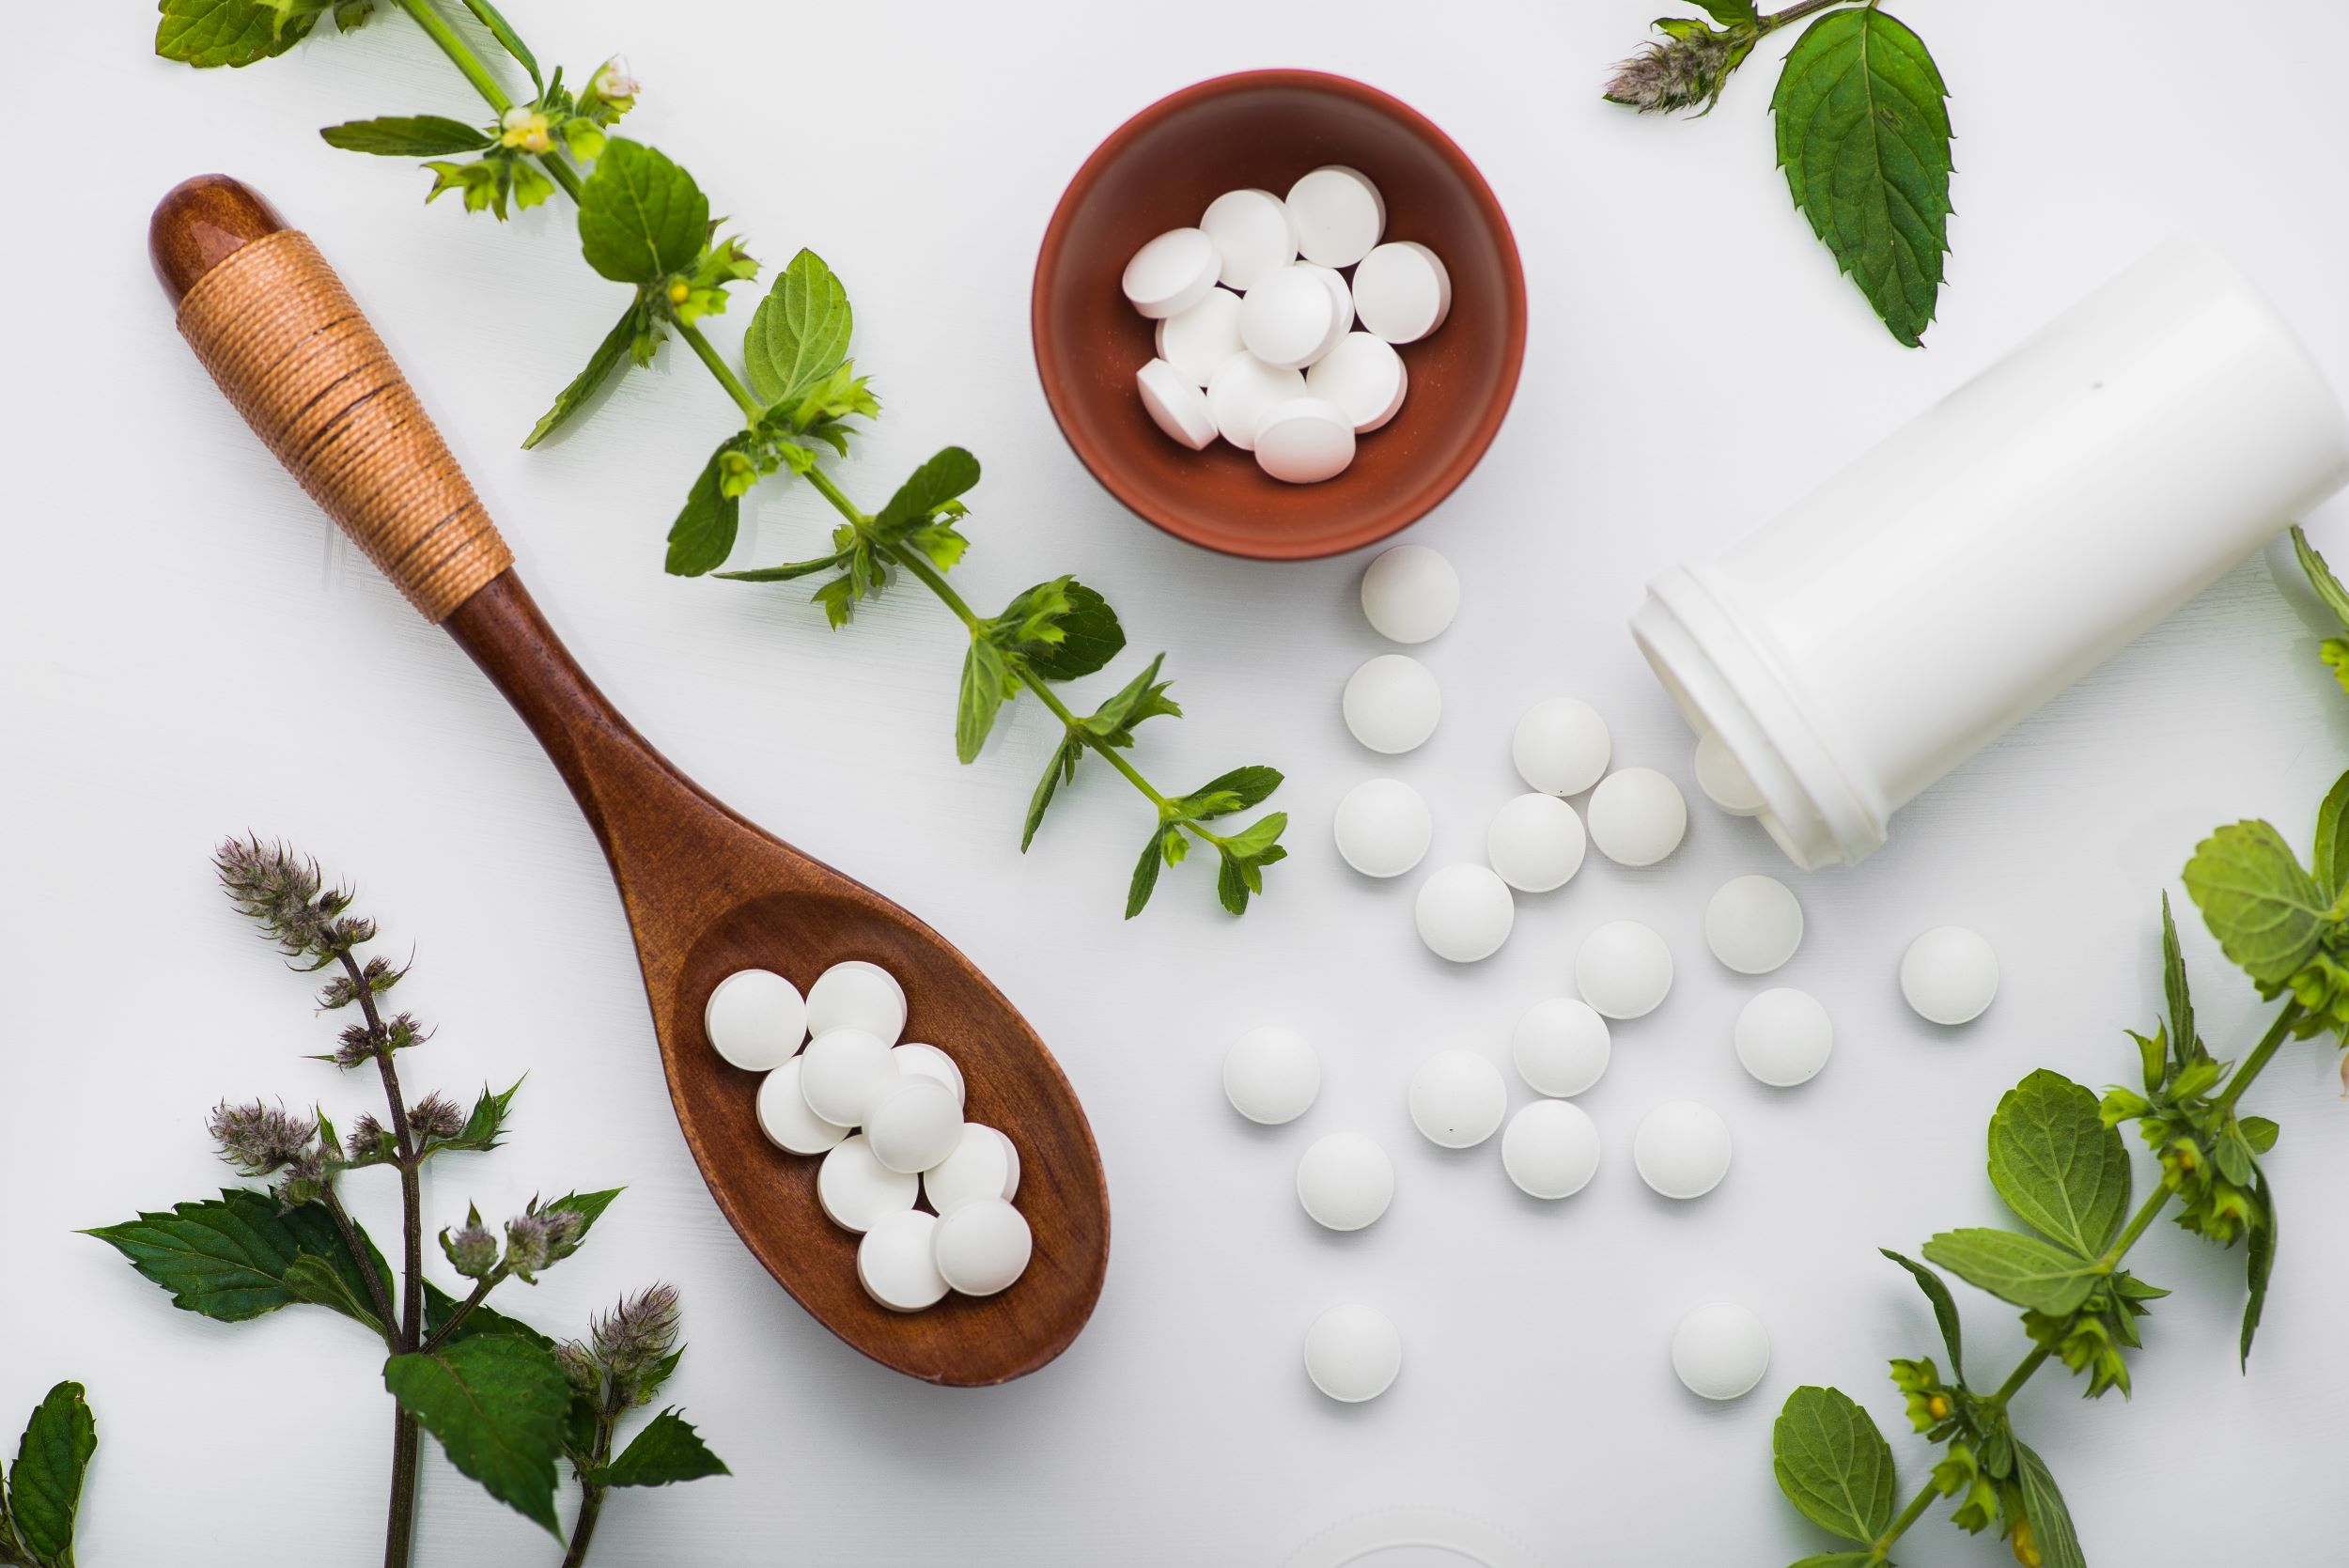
1172	273
1286	321
982	1247
1459	1098
1339	215
1464	913
1402	291
1175	405
1304	441
914	1123
1383	827
755	1020
1550	1149
1391	703
1199	340
785	1118
1949	976
1721	1350
1341	310
1560	1046
1637	817
1682	1149
1723	779
1352	1353
897	1263
856	995
1623	970
1364	376
1753	923
856	1190
1239	391
1409	592
1536	843
1251	234
920	1060
984	1164
1783	1037
842	1073
1345	1181
1561	746
1272	1075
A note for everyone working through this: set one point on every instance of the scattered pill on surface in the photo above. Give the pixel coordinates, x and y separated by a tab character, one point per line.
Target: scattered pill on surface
1458	1098
1242	390
1364	376
1464	913
1353	1352
982	1247
1536	843
1338	214
1623	970
1289	319
1409	592
755	1020
897	1261
1637	817
1391	703
914	1123
1550	1149
856	1190
785	1118
1561	746
1172	273
1383	827
842	1073
1560	1046
1251	234
1199	340
1949	976
1721	1350
984	1164
1785	1037
1402	291
1175	405
1753	923
856	995
918	1060
1723	781
1304	441
1346	1181
1272	1075
1682	1149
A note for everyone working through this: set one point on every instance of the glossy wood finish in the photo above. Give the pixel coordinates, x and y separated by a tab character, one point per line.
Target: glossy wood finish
707	892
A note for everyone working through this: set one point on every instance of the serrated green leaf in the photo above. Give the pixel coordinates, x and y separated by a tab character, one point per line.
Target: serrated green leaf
2327	587
1231	884
668	1450
1833	1463
508	39
320	1283
208	33
1944	1311
1060	770
486	1121
45	1488
1250	842
496	1402
1235	791
2042	1505
2257	900
2332	841
227	1258
408	136
1863	133
707	525
2259	1260
1062	628
948	476
641	217
606	359
589	1206
2058	1166
1145	878
2014	1267
799	334
984	675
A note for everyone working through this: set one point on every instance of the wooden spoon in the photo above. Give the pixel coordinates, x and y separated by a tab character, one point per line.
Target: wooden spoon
707	893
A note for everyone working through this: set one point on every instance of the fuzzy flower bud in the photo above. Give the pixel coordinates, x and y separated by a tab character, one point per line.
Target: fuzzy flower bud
366	1140
304	1181
635	1336
540	1237
1685	70
579	1367
279	892
472	1252
615	84
257	1139
435	1116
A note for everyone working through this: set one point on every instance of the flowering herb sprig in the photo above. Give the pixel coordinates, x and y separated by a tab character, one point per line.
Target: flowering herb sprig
645	223
507	1405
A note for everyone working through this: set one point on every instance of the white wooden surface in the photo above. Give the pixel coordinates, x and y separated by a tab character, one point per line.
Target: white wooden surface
186	653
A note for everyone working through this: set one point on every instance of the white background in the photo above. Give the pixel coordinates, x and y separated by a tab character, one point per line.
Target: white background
187	652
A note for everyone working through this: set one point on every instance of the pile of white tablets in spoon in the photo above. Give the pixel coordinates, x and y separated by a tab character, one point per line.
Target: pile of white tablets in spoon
1256	339
887	1119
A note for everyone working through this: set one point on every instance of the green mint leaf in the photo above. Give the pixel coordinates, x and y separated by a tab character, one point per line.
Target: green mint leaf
1833	1463
1061	769
838	598
408	136
1062	628
1145	878
486	1121
2260	1132
1249	842
1944	1311
227	1258
986	681
1728	12
1863	133
945	477
641	217
229	32
1143	697
496	1402
702	535
789	571
589	1206
2042	1505
1235	791
322	1284
799	334
939	544
2332	841
1231	882
2022	1269
508	39
616	345
2259	1258
2058	1166
2174	987
2262	908
2328	587
668	1450
45	1488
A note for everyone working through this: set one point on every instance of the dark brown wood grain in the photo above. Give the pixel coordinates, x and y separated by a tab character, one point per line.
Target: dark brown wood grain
707	892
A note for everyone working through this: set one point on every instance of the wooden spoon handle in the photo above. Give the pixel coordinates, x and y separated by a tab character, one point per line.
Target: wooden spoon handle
282	337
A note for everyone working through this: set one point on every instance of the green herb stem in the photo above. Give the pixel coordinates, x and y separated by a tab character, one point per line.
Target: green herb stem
368	1271
437	28
743	398
2270	1043
591	1494
455	1320
1796	12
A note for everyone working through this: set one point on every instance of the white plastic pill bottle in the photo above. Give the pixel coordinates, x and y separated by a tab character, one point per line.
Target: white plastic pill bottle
2012	539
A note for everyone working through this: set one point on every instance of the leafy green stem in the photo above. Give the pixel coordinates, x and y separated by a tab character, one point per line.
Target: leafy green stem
2272	1042
1796	12
459	52
708	353
590	1490
455	1320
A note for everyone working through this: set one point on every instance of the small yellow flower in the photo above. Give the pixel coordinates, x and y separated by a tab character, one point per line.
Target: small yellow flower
1939	1407
679	291
2026	1547
526	129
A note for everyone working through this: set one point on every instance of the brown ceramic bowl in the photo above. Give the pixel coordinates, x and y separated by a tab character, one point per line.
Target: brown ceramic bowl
1159	171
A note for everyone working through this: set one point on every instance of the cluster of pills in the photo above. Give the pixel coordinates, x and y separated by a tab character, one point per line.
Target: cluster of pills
1256	336
887	1119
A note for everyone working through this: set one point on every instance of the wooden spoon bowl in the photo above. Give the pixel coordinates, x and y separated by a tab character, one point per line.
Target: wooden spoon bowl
706	892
